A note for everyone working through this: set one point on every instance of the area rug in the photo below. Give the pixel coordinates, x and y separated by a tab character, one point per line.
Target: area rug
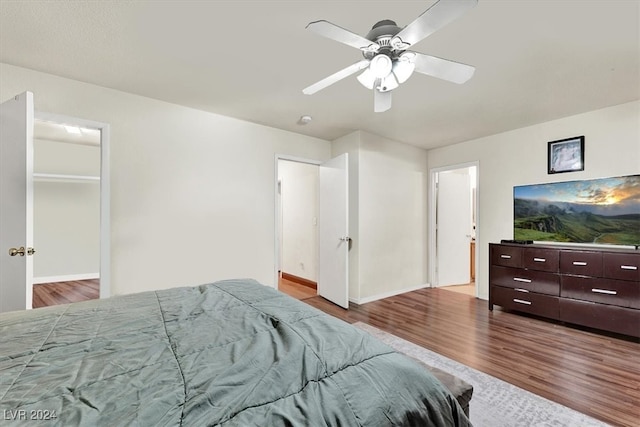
495	403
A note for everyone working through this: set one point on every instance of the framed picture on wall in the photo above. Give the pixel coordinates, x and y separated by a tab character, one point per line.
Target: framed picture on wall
566	155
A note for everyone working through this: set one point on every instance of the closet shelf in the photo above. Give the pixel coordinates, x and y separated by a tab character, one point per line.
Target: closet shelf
54	177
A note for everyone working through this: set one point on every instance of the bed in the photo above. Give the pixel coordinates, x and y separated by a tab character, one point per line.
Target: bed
230	353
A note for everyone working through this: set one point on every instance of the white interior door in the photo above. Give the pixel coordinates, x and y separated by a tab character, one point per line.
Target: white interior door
333	231
453	233
16	203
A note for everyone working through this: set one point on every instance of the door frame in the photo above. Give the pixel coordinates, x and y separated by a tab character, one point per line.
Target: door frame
105	190
277	210
433	195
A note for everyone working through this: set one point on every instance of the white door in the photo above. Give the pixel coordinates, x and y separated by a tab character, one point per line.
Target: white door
16	203
453	235
333	231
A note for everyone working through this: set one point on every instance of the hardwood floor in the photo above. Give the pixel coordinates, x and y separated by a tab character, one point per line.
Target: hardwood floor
47	294
594	373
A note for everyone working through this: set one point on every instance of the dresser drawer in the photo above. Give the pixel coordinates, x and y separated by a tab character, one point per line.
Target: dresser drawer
541	259
582	263
622	266
530	280
508	256
608	317
605	291
525	301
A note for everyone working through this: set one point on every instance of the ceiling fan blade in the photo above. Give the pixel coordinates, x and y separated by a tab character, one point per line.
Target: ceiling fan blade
445	69
328	81
381	101
334	32
437	16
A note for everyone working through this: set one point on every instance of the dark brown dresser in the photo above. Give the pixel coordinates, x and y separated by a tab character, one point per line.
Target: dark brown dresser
598	288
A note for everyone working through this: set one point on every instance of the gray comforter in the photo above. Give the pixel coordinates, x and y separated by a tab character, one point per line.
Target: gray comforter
232	353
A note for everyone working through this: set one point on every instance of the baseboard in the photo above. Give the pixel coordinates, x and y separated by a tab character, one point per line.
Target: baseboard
300	280
360	301
67	278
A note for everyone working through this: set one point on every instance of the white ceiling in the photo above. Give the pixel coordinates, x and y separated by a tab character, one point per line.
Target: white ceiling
536	60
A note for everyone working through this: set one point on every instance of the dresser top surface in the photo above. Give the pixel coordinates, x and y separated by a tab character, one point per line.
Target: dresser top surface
623	250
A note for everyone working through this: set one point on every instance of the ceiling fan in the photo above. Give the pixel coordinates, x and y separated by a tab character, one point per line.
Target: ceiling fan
387	63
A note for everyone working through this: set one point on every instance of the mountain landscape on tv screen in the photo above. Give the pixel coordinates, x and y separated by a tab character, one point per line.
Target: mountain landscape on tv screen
603	211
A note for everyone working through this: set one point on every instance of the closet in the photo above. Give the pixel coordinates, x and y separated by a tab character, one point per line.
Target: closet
66	184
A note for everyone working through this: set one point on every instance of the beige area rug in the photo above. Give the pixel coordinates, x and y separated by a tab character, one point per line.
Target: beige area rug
495	403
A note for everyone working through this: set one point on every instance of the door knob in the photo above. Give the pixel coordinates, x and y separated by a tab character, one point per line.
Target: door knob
20	251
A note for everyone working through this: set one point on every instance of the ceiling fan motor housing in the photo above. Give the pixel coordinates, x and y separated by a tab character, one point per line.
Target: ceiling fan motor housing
382	33
385	28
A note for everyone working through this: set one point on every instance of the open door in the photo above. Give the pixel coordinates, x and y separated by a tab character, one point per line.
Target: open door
333	231
453	235
16	203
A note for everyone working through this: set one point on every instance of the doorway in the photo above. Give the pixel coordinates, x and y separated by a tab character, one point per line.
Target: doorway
325	245
66	211
454	227
297	232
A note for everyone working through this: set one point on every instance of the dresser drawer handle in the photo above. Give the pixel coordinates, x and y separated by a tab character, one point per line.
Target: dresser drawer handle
505	256
628	267
579	263
540	260
604	291
521	290
518	279
519	301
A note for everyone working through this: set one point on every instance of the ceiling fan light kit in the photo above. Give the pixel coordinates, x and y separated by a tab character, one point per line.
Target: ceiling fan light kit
380	66
387	62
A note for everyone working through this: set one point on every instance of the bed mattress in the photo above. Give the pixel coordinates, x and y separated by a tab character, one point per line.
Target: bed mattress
230	353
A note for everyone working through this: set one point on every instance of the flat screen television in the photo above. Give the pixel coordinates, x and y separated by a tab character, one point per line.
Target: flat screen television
596	211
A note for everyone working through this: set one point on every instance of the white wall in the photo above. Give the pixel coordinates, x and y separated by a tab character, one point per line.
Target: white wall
299	192
390	215
66	214
393	216
192	194
612	148
66	233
